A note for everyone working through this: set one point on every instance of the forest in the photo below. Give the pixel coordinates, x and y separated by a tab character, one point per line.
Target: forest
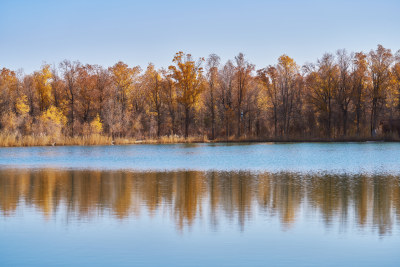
342	96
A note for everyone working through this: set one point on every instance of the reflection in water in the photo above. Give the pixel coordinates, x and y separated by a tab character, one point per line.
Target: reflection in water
371	202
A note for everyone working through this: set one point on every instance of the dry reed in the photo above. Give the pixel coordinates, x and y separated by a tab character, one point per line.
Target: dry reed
17	140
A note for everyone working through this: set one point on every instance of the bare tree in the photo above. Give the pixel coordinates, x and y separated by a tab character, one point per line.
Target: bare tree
243	70
212	79
70	72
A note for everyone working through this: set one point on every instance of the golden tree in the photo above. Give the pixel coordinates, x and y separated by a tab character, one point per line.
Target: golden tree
153	82
187	74
8	90
42	85
268	78
287	71
123	78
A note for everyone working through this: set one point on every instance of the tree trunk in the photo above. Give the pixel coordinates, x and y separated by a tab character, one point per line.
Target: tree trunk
186	122
373	116
72	115
344	122
158	124
239	122
275	122
329	117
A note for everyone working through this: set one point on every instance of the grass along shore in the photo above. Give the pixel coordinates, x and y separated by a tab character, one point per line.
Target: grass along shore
15	140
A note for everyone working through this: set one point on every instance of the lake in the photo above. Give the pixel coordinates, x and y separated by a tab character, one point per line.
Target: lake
303	204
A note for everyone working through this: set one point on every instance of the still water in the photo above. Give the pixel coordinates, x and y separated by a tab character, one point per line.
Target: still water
201	205
352	158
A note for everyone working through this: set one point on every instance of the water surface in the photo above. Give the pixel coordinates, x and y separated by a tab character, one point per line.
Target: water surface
353	158
201	205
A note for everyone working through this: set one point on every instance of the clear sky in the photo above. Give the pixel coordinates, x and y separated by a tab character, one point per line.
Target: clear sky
139	32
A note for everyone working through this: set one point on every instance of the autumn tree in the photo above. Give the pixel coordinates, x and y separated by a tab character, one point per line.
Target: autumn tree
344	87
187	74
102	84
396	80
8	99
42	85
287	71
212	82
29	91
123	78
252	109
8	90
87	93
243	70
359	85
269	80
152	80
225	96
322	81
380	61
70	72
57	87
124	99
169	95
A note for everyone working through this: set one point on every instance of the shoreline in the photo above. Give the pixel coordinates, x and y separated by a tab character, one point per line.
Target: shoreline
101	140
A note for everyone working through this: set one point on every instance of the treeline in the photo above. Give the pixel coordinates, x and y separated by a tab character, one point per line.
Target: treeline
341	95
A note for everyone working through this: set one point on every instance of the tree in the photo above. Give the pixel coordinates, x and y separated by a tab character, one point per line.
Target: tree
153	83
71	72
189	80
344	89
102	84
57	87
123	78
53	121
170	97
212	80
321	84
87	92
243	70
287	71
396	80
380	61
269	79
8	100
227	75
42	84
125	100
8	90
360	83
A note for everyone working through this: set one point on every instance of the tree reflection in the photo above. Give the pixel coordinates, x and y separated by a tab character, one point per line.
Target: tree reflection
188	196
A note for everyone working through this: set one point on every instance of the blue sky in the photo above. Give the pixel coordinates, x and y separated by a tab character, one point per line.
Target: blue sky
139	32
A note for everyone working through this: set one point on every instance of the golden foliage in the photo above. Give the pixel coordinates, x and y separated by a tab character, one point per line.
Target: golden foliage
21	105
96	125
123	78
42	84
52	122
188	76
54	115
